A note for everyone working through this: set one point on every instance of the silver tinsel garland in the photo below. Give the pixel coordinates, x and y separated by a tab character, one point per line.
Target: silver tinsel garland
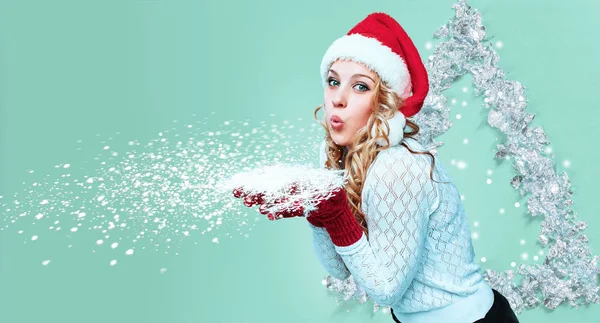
569	271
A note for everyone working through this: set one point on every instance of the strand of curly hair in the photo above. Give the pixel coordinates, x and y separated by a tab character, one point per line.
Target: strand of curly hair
365	149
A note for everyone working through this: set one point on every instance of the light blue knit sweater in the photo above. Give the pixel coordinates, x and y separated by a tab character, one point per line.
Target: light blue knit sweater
419	257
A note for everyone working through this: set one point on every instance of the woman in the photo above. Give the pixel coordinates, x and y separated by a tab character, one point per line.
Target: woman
398	226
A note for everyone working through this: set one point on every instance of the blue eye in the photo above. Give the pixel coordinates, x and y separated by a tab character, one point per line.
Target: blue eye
365	88
361	87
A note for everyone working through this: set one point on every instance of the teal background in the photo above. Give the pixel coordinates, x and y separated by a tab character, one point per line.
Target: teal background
85	70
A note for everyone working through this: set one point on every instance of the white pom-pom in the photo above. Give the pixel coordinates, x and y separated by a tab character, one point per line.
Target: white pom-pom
396	123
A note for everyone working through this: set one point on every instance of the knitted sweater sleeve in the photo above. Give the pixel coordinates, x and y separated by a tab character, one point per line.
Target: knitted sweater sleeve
398	201
322	244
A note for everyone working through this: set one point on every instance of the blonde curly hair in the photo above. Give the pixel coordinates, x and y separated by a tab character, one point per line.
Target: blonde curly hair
364	147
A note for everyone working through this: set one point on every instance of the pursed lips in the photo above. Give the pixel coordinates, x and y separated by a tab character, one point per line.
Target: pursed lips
336	122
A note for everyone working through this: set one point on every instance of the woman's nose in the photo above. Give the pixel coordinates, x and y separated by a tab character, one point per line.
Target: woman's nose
339	99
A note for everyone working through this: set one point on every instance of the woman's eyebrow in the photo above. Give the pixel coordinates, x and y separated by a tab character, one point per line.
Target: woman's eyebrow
355	75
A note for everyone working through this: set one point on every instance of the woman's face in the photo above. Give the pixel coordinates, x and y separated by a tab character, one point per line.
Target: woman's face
348	99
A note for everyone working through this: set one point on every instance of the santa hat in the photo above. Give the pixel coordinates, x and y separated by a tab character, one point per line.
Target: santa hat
379	42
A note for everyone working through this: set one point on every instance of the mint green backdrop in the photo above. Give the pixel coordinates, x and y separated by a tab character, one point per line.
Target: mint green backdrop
87	70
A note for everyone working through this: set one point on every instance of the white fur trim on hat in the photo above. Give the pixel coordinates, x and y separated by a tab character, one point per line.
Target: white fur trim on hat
376	56
396	123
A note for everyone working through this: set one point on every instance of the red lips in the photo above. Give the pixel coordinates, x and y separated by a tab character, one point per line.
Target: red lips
335	118
336	122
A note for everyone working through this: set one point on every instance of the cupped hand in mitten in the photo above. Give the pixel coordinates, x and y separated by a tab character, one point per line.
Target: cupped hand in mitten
281	204
327	208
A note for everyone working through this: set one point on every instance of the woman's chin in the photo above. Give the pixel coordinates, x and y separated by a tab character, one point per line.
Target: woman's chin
340	141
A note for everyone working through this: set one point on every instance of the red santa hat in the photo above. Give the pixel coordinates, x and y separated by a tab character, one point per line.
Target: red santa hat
379	42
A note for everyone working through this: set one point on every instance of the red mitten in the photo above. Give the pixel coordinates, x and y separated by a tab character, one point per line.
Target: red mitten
333	214
337	218
315	221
